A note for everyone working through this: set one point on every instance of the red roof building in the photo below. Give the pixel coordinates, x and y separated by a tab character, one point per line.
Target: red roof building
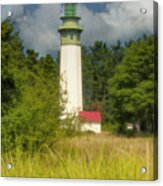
91	116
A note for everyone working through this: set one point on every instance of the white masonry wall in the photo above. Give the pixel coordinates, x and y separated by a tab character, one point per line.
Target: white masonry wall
71	73
95	127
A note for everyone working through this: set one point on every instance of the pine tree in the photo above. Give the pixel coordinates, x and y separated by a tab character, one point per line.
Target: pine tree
132	85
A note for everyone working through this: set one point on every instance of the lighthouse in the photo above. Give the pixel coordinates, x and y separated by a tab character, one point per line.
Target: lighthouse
70	59
71	71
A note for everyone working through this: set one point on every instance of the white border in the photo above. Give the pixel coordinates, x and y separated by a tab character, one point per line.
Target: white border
62	182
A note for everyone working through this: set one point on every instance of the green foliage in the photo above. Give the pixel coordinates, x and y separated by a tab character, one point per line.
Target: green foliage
120	82
31	108
12	55
132	85
98	63
113	128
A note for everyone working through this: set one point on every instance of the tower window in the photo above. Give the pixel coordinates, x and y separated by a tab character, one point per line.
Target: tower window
71	36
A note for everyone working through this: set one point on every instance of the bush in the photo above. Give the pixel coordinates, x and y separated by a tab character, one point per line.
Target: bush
110	127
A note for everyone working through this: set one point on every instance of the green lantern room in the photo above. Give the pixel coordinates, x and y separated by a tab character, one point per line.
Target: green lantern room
70	30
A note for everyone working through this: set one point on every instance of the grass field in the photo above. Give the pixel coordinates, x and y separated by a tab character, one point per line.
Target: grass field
102	156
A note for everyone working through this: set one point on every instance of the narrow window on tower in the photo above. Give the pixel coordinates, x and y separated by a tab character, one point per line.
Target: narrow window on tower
71	36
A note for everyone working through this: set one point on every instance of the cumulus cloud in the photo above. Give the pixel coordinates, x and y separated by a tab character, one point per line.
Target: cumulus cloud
119	21
38	28
95	27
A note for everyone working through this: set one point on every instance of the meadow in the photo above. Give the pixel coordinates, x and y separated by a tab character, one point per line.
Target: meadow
93	156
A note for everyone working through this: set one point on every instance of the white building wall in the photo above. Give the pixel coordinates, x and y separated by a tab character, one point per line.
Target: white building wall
71	73
95	127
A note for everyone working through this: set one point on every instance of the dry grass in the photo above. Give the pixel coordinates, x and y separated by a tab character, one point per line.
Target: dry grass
100	156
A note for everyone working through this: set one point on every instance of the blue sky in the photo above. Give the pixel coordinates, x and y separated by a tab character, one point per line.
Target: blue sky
96	7
109	22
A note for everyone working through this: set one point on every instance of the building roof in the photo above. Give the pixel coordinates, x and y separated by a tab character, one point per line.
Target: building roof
91	116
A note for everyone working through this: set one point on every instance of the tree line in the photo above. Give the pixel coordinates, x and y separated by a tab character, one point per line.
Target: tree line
120	81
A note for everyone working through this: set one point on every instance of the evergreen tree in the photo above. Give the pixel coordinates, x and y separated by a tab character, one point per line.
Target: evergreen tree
132	85
11	62
30	95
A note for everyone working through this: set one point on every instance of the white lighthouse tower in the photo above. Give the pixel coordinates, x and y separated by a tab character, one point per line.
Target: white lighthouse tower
70	59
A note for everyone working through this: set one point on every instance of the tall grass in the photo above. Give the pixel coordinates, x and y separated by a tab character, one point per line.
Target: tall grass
91	157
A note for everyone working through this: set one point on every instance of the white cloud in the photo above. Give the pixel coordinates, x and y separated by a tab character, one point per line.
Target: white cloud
38	29
94	26
123	21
